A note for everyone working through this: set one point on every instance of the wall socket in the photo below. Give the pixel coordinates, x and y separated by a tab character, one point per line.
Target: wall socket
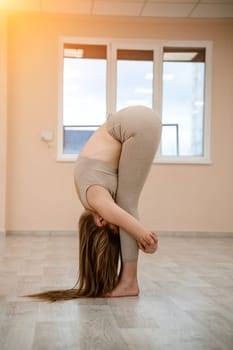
47	135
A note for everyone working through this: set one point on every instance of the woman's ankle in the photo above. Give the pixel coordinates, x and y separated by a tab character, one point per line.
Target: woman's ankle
129	270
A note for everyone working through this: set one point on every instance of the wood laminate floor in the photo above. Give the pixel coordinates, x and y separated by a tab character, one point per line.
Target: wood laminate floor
186	299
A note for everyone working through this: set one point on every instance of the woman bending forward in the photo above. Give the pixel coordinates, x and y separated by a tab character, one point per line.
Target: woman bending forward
109	175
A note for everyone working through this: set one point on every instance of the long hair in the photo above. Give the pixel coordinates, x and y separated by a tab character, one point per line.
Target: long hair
99	257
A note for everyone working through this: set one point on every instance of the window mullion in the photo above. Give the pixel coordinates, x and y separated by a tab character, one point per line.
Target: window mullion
207	99
158	83
112	83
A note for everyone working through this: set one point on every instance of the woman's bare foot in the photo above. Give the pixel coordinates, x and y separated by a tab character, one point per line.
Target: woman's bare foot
124	289
128	284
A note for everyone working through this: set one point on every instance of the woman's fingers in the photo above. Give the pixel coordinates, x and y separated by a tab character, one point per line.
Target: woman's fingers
141	246
147	240
151	248
155	237
149	243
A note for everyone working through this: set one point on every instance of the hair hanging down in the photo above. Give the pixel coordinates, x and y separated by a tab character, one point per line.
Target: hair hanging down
99	253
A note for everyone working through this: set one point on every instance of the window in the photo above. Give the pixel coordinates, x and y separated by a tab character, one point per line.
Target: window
134	78
84	93
99	77
183	101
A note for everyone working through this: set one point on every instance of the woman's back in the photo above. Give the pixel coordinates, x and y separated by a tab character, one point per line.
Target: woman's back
102	146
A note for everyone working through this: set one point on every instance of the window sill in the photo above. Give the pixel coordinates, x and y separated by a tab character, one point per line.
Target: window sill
67	158
157	160
183	160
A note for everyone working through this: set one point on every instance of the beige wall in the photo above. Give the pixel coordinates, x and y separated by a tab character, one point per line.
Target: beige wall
40	193
3	119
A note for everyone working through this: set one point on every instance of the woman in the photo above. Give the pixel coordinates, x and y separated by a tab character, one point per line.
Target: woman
109	175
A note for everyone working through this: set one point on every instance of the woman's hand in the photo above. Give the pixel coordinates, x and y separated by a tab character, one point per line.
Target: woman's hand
149	244
101	202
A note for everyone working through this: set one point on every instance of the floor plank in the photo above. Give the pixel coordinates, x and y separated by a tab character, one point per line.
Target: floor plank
186	298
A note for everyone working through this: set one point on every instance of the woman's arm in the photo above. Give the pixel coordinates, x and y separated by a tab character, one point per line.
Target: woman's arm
101	201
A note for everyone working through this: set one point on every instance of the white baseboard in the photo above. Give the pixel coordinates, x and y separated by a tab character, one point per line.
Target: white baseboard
197	234
41	233
186	234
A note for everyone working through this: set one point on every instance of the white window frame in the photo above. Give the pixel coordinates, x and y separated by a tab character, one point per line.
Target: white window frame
70	40
206	158
157	46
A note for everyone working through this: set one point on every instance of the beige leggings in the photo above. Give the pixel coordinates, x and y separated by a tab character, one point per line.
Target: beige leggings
139	131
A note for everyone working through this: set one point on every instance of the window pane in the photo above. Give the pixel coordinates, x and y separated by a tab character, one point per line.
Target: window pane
171	148
183	99
75	138
84	91
134	78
